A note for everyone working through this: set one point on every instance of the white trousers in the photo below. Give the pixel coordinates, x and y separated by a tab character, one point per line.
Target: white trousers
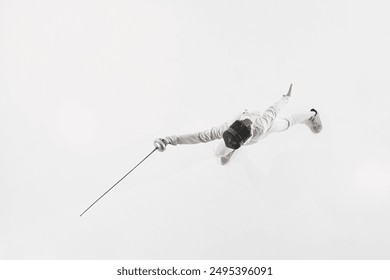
278	125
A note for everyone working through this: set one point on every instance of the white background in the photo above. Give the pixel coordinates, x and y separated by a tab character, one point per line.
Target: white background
86	87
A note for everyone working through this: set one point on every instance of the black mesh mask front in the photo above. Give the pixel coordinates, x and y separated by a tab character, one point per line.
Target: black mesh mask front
237	134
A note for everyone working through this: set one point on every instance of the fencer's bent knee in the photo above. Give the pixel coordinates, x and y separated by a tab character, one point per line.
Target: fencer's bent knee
221	150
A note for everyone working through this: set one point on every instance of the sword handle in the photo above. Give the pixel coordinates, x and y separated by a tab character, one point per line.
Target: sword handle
160	145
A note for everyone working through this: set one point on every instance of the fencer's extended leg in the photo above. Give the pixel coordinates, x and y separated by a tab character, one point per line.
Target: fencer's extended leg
223	153
224	160
279	125
310	119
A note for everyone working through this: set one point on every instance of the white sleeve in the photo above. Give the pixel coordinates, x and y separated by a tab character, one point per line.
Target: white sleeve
199	137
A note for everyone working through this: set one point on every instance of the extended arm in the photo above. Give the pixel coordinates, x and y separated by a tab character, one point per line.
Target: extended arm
199	137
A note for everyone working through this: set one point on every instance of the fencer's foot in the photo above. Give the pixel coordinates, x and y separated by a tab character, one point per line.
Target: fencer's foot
314	123
226	159
288	94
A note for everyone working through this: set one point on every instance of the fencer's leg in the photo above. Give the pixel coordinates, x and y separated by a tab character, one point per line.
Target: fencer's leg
283	124
223	153
300	118
221	150
279	125
311	119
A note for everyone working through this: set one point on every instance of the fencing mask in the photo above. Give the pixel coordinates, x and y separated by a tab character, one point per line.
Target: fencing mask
237	134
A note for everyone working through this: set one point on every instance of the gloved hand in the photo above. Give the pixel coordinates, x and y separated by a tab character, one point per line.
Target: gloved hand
160	144
289	91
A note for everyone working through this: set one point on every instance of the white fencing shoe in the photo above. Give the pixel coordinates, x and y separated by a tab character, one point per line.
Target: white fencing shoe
314	123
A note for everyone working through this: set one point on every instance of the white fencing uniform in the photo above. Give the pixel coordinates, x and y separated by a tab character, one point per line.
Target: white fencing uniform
262	125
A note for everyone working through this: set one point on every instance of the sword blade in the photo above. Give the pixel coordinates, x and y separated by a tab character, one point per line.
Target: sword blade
289	90
117	182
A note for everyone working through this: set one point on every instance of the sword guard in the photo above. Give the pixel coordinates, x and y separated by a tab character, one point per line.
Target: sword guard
160	145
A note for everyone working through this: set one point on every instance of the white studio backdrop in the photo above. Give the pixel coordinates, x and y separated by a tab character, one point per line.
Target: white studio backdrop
86	87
